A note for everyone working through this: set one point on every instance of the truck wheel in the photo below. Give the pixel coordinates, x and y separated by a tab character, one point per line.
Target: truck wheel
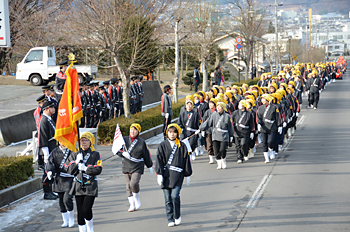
81	78
36	80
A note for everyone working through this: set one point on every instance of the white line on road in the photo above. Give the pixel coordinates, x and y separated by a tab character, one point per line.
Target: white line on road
258	192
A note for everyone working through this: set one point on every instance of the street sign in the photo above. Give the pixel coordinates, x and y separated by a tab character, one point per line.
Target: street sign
295	57
238	46
4	24
239	40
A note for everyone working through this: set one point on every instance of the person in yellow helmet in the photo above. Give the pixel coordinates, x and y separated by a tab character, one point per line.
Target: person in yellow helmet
172	166
208	133
313	86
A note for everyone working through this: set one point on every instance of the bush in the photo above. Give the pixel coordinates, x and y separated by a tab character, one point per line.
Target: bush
14	170
249	82
226	74
188	78
147	119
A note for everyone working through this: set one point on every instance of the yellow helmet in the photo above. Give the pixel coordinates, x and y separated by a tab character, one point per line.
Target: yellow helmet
251	102
268	97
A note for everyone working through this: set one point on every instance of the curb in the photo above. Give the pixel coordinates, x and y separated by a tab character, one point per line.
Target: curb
154	131
18	191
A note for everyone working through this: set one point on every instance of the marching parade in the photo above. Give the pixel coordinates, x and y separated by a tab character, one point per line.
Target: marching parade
223	119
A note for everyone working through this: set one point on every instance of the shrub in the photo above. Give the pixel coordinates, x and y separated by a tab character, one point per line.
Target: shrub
147	119
14	170
188	78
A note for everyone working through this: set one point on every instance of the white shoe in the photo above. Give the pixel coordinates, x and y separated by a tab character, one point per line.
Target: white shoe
252	153
193	157
223	161
293	130
89	225
280	147
171	224
285	140
239	161
266	155
71	218
82	228
201	152
271	154
211	159
65	220
246	158
315	108
178	221
137	200
259	138
289	131
219	162
132	204
254	149
196	151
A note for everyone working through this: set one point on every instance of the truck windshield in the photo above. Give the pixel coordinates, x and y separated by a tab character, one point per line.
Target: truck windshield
35	55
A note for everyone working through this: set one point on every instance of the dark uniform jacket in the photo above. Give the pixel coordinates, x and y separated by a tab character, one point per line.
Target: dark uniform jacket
93	161
269	118
166	105
206	116
243	123
221	126
313	84
47	133
62	180
189	123
179	167
140	156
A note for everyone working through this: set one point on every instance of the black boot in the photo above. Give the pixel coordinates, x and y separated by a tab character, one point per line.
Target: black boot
48	195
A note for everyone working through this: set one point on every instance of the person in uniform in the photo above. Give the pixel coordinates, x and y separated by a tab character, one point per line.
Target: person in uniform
120	98
89	106
37	116
84	104
133	96
222	133
62	182
61	78
108	99
135	155
141	93
208	133
189	122
85	166
92	100
196	79
167	111
243	130
47	143
313	86
173	164
103	111
269	122
112	91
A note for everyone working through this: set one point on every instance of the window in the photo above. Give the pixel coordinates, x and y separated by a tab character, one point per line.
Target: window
336	47
35	55
330	48
348	36
49	53
322	37
337	36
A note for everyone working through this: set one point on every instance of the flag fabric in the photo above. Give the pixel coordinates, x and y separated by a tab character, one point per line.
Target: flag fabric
69	111
188	146
118	140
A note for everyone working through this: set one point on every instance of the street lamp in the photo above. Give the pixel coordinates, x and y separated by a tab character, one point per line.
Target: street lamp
250	16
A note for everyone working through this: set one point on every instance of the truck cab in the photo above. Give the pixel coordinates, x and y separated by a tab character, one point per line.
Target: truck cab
34	66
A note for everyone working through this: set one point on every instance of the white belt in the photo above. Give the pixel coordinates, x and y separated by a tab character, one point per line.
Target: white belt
86	176
63	174
269	121
53	138
136	160
190	129
176	169
243	126
221	130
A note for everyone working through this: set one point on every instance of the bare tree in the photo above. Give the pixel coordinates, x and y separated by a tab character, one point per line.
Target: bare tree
249	24
119	27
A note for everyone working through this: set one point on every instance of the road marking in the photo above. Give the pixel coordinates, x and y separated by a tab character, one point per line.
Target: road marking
259	191
301	120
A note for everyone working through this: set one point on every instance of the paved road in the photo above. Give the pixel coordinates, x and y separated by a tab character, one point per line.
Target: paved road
306	189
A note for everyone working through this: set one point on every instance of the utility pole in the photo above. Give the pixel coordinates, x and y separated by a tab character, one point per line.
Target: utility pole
176	79
276	30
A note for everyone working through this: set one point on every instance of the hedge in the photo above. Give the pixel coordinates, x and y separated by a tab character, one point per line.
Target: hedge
14	170
147	119
249	82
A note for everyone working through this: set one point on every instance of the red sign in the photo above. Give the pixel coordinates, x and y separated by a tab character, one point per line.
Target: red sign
239	40
238	46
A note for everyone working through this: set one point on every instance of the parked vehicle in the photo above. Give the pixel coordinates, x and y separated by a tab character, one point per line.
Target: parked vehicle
39	67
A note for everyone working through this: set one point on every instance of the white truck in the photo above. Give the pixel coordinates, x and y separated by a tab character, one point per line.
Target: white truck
39	67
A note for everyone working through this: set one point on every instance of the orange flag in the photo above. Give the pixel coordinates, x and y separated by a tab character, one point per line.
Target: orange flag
69	111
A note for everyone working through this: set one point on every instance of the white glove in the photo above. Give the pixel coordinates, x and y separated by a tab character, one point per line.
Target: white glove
108	107
197	132
251	136
159	179
126	155
82	167
188	180
192	156
280	130
150	171
203	134
166	115
297	114
79	158
231	139
100	113
49	175
259	127
46	154
284	124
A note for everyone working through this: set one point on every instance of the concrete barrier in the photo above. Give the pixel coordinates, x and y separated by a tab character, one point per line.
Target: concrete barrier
152	92
17	128
20	190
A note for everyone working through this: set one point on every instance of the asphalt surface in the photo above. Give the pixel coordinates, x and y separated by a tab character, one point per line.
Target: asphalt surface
305	189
